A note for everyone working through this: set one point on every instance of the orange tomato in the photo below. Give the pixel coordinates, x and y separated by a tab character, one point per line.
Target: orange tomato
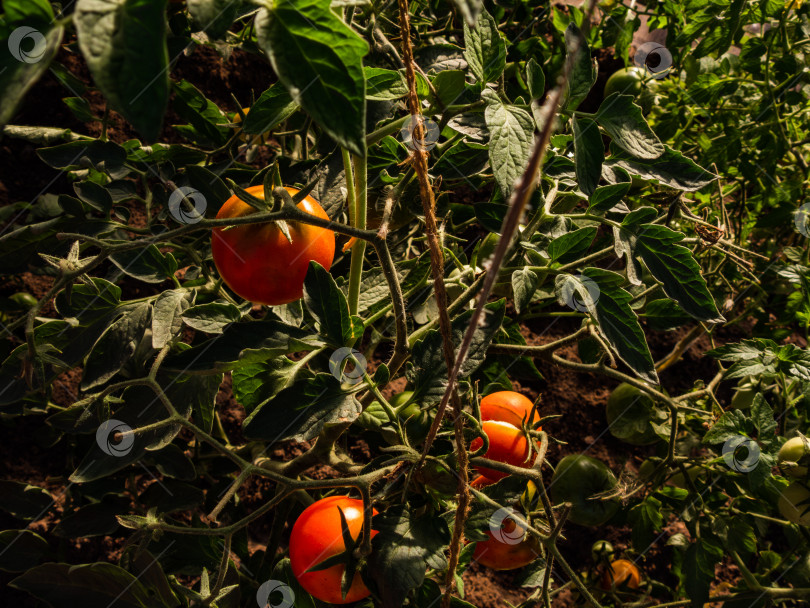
507	444
508	406
499	555
259	263
622	574
317	536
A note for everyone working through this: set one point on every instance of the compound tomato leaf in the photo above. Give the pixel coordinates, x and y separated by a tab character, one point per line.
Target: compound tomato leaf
273	107
486	49
213	16
673	265
29	550
671	169
115	346
328	305
599	293
301	411
258	383
95	585
320	61
524	284
511	130
242	344
21	69
583	72
124	44
427	371
167	316
213	317
624	122
405	546
605	198
24	501
589	154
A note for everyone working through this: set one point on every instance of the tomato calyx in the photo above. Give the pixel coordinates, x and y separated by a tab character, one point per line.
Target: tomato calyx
346	558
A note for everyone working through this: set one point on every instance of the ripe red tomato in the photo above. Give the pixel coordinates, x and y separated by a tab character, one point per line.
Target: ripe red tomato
498	555
259	263
317	536
507	444
622	574
508	406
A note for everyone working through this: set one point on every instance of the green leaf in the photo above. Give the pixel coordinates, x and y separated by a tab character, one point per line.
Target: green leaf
27	11
405	546
604	198
29	549
320	61
450	85
167	316
524	284
671	169
273	107
645	520
571	246
583	72
699	562
301	411
97	585
201	392
624	122
485	49
24	501
255	384
124	44
589	154
328	305
673	265
17	76
511	131
384	85
212	318
242	344
95	519
147	264
213	16
469	9
115	346
535	79
599	293
208	122
427	371
664	315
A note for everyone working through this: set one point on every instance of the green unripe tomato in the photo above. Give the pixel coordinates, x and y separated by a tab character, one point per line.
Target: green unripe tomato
601	551
794	504
632	81
744	393
416	422
629	413
24	299
795	451
577	479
